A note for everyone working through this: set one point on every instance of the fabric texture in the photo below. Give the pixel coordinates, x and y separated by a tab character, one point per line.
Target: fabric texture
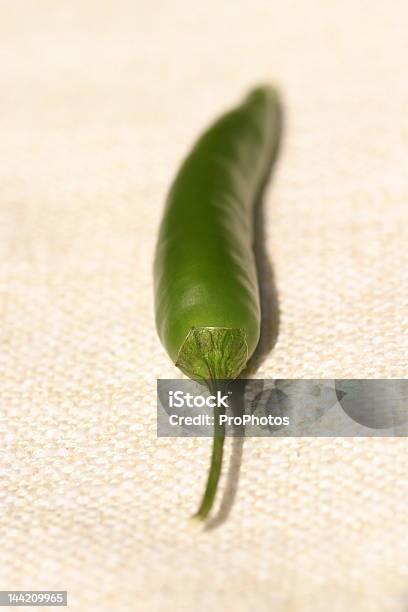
99	103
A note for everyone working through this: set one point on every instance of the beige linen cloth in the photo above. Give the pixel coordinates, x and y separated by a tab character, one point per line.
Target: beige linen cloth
99	101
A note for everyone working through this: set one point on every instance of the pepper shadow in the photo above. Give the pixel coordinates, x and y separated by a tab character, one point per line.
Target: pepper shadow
269	324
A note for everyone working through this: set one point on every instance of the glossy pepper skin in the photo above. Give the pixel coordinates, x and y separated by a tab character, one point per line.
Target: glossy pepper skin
206	287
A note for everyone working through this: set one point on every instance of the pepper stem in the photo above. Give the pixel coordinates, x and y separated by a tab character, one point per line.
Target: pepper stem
215	465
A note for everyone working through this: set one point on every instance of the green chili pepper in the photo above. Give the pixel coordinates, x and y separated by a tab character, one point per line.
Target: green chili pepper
206	287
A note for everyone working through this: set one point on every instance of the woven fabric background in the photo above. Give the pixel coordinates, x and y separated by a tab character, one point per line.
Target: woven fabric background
99	101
